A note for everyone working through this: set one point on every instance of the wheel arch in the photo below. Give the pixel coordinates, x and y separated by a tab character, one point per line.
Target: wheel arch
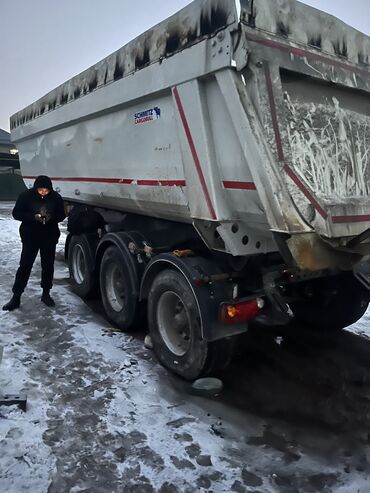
208	296
160	264
157	265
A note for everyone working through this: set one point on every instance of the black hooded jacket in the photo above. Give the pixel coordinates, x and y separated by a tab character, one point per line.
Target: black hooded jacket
30	203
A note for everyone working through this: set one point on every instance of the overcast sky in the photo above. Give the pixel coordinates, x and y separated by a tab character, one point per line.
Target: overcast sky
45	42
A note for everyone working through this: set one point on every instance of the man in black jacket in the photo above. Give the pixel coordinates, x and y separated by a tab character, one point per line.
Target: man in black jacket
40	209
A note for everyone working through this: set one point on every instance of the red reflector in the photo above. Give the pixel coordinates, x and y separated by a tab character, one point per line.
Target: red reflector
235	313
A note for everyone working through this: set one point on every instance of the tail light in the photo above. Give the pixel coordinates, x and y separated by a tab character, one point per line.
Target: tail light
235	313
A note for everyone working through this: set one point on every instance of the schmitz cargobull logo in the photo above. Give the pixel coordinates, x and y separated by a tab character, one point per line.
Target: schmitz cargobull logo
148	115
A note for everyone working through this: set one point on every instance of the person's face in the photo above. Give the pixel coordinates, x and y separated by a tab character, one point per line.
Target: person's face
43	191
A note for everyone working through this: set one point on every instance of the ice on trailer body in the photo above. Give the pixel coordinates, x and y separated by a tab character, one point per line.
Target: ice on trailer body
307	25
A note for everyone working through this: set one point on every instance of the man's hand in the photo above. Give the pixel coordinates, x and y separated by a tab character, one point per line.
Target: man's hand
42	218
39	218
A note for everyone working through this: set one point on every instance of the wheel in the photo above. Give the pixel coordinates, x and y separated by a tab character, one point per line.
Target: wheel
117	289
336	303
81	267
175	328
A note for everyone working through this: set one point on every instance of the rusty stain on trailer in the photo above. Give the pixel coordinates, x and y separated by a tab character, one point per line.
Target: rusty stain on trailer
311	253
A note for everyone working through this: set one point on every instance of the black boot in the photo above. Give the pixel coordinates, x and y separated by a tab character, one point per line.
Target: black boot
46	298
13	303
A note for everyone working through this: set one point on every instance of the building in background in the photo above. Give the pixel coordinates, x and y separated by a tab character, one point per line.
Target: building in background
11	182
6	147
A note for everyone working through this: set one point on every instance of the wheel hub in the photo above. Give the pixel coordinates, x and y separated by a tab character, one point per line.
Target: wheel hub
115	288
174	323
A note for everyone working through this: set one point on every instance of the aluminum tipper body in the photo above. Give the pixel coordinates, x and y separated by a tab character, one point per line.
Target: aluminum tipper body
248	123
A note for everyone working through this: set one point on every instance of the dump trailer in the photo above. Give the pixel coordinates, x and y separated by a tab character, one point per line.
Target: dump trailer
217	170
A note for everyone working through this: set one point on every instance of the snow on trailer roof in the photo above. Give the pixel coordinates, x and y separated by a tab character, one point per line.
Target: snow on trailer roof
289	19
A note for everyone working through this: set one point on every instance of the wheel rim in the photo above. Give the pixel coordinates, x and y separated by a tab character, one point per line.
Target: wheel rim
174	323
115	290
79	264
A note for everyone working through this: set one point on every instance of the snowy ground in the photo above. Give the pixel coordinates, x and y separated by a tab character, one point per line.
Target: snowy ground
104	416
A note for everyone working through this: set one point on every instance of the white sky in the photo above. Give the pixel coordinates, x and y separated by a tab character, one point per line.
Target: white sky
45	42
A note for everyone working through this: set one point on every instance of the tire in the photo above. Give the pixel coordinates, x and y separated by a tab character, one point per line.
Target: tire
81	267
175	328
336	304
117	289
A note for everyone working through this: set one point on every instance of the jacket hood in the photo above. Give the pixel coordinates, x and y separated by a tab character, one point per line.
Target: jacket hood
43	181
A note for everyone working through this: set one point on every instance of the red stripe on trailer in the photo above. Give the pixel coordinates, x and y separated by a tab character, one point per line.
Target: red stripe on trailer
162	183
119	181
305	191
125	181
240	185
237	185
350	219
194	153
308	54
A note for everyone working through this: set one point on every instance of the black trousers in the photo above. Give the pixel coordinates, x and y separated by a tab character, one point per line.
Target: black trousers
28	256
